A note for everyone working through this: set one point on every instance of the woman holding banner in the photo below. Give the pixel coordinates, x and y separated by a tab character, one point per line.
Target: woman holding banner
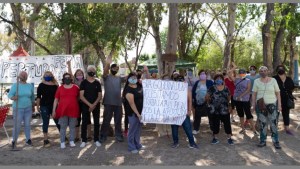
186	125
44	102
133	105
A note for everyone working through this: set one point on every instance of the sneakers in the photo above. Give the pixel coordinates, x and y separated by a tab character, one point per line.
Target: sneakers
62	145
72	144
195	132
276	145
82	144
134	151
242	131
174	145
230	141
97	143
262	144
214	141
193	146
28	142
46	143
120	138
142	147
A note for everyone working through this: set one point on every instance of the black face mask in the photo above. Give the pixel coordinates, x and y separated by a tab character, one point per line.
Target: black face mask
281	72
91	74
67	81
113	72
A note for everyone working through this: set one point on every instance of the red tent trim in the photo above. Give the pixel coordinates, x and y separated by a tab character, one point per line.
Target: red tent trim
19	52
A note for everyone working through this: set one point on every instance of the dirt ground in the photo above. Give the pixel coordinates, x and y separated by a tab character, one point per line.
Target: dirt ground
158	151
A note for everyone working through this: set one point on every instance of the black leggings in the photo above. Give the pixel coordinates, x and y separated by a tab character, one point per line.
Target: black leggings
215	123
286	115
243	108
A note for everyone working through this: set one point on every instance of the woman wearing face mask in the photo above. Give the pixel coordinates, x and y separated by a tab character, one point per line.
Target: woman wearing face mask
90	95
218	97
78	77
133	105
66	108
241	98
286	86
44	102
199	92
252	76
25	107
267	88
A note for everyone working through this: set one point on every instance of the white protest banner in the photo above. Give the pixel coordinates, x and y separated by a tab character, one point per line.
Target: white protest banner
35	66
165	102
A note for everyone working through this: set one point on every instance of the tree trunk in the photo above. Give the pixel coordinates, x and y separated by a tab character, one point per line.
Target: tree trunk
173	29
279	38
155	28
267	38
230	31
16	9
291	42
67	33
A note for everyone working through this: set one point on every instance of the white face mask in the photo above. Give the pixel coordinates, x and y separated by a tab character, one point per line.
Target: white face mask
252	72
208	77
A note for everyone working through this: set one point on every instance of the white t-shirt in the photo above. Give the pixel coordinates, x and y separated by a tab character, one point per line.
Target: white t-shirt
266	90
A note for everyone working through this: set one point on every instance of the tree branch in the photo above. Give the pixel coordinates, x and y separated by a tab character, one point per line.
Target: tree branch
28	36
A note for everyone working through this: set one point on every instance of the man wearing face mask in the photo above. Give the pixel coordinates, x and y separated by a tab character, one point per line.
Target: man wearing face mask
90	94
199	92
286	86
112	101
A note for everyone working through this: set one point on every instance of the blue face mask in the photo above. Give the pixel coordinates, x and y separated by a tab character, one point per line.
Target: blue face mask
190	74
48	78
219	82
132	80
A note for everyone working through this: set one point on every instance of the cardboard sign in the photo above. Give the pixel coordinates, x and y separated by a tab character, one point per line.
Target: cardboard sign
165	102
35	66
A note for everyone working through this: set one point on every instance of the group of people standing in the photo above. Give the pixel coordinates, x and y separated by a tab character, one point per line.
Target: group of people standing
210	94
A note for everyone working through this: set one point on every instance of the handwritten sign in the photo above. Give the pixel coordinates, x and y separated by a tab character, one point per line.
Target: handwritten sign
165	102
35	66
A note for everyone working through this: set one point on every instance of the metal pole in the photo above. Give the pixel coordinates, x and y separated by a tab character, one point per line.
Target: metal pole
16	116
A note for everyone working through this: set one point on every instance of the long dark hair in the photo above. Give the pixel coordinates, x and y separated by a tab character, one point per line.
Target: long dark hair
127	83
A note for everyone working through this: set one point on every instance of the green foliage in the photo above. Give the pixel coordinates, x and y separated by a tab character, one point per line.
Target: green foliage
144	57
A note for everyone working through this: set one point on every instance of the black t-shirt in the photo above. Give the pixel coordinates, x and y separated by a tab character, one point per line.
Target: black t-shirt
46	93
138	99
91	90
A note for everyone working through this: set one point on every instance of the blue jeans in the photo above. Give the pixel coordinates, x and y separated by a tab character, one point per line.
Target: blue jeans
187	127
24	114
46	111
268	118
134	133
